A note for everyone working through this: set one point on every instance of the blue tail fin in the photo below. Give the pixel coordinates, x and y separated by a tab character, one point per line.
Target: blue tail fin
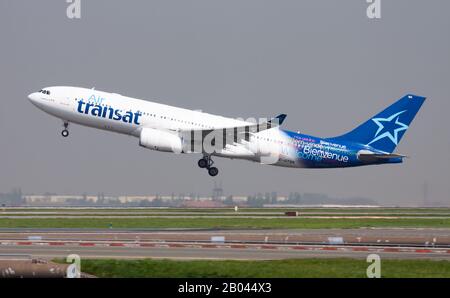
385	130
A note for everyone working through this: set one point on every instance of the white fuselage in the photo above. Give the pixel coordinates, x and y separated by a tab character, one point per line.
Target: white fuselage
126	115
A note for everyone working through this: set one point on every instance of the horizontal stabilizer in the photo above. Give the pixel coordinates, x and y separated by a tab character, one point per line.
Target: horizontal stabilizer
378	156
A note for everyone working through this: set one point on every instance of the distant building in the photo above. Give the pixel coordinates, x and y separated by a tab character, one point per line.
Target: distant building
182	200
56	199
135	199
203	204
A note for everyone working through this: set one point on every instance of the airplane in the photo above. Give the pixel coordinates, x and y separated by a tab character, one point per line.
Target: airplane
172	129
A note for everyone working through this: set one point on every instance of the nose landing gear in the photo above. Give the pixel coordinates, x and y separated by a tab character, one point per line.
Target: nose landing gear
65	132
207	162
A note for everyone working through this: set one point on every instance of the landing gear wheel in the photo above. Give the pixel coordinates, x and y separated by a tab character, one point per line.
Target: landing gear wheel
206	163
213	171
65	132
202	163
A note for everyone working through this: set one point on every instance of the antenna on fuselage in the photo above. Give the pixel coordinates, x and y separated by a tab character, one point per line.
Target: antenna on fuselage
93	88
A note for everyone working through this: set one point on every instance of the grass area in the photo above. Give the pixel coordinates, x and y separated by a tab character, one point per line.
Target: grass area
280	223
212	210
238	215
264	269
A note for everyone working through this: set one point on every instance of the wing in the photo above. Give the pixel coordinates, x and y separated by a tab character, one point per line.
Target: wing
221	137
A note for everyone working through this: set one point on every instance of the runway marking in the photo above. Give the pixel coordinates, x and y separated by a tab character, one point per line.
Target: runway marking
72	244
116	244
269	247
208	246
329	248
84	244
25	243
147	245
56	243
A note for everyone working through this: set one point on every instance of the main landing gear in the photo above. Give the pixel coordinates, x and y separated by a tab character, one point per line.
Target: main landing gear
206	163
65	132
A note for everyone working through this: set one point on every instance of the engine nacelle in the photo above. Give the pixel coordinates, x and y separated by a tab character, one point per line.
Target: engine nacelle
160	140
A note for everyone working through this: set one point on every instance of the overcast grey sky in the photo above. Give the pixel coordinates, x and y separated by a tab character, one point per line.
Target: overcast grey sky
324	63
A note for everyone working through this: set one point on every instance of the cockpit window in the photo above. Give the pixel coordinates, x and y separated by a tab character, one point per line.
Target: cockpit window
44	91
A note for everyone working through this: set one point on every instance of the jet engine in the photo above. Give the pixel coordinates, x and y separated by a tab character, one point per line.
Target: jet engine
160	140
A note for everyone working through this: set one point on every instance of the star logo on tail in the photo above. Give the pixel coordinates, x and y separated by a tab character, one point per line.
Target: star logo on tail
389	128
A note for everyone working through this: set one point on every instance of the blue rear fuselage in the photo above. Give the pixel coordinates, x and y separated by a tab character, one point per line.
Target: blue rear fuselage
314	152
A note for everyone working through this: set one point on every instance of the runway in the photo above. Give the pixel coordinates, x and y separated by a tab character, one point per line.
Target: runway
183	253
220	213
227	244
371	236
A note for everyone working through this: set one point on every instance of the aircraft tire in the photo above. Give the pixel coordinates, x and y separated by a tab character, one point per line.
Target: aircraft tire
213	171
202	163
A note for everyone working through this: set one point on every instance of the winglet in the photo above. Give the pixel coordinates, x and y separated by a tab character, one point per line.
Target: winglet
280	118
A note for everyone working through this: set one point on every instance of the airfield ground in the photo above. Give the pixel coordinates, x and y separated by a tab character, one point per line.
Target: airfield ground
291	268
261	218
259	242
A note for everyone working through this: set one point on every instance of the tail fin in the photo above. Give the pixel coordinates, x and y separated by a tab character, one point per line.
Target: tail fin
385	130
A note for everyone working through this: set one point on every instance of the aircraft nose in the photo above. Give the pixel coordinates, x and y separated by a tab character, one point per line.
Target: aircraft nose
33	97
